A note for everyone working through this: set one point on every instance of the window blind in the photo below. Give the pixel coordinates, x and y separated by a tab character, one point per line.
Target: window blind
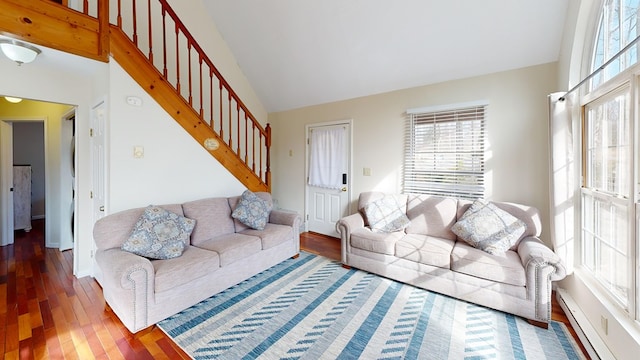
444	153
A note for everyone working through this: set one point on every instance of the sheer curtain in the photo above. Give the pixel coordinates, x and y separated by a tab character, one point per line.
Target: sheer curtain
562	187
326	163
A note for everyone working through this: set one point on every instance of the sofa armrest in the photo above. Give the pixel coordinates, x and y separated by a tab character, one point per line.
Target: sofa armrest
345	227
128	283
289	218
542	266
534	253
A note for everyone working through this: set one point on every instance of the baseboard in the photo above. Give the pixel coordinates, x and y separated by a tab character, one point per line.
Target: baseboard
592	342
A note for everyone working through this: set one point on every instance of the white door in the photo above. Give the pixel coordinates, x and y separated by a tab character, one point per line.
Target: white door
98	126
328	198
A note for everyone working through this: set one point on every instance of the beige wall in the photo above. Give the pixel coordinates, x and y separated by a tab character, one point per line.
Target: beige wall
517	154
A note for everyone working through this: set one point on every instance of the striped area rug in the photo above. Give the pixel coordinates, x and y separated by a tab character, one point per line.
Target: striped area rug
312	308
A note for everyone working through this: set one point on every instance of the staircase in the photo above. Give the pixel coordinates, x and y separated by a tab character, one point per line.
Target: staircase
152	44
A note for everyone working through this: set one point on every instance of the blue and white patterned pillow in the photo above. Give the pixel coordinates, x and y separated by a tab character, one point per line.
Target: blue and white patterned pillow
252	210
159	234
489	228
385	215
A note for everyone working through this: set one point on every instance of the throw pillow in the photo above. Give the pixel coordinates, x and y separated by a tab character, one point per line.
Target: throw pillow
385	215
252	210
489	228
159	234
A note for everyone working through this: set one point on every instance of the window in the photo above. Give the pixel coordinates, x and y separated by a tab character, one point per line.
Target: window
609	191
606	193
444	152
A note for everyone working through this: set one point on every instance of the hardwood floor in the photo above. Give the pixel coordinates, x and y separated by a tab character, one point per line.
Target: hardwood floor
47	313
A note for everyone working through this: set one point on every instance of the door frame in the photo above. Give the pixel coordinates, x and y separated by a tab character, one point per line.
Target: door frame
6	176
307	202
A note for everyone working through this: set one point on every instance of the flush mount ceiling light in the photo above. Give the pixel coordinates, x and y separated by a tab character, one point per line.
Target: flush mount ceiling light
14	100
18	51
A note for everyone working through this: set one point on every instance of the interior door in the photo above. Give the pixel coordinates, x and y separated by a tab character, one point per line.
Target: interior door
98	126
328	204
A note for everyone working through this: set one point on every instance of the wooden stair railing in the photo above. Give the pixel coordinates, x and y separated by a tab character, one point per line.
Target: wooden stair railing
172	67
152	44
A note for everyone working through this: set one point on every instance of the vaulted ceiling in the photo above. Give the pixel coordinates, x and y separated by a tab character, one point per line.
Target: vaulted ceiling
297	53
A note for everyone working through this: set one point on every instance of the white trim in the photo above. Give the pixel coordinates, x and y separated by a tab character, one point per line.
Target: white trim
446	107
589	337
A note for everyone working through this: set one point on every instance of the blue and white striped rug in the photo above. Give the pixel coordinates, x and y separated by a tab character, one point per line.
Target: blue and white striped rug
312	308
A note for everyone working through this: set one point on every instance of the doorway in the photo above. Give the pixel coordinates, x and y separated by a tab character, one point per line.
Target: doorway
58	180
328	186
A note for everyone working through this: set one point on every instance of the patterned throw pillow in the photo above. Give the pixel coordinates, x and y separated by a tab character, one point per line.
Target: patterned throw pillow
159	234
489	228
252	211
385	215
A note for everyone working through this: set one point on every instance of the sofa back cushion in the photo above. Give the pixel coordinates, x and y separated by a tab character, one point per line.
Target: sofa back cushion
113	230
432	215
212	216
233	202
528	214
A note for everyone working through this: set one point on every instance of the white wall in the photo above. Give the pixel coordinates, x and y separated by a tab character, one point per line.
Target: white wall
517	155
174	169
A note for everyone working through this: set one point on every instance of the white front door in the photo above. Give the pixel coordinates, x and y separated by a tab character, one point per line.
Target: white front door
326	205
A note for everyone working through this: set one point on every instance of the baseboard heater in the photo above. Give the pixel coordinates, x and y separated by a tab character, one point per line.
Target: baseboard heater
590	339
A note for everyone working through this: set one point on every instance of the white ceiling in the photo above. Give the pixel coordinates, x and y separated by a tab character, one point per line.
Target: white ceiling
297	53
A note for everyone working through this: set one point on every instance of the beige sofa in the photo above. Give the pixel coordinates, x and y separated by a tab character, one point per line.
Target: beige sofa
222	252
427	254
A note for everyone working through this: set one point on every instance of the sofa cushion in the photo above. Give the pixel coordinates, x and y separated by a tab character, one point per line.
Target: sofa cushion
252	210
382	243
233	203
528	214
386	215
425	249
432	215
506	268
159	234
371	196
233	247
213	217
113	230
272	235
193	263
489	228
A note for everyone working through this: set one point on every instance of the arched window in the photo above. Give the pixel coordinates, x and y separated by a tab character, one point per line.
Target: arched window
618	27
609	190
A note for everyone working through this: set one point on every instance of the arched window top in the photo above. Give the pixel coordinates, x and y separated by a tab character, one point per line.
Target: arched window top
618	27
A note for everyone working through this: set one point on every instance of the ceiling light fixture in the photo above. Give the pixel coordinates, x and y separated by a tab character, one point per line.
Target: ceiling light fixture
14	100
18	51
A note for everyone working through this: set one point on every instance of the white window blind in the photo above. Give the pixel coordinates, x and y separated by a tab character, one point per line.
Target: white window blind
444	153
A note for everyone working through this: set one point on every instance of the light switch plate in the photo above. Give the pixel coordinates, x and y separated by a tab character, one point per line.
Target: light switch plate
138	152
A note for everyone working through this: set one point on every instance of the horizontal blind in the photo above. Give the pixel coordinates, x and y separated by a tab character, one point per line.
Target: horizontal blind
444	153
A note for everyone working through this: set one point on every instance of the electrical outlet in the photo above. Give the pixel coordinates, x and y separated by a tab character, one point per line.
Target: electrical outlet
366	171
604	324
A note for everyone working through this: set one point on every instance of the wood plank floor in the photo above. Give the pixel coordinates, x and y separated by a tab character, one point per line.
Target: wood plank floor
47	313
